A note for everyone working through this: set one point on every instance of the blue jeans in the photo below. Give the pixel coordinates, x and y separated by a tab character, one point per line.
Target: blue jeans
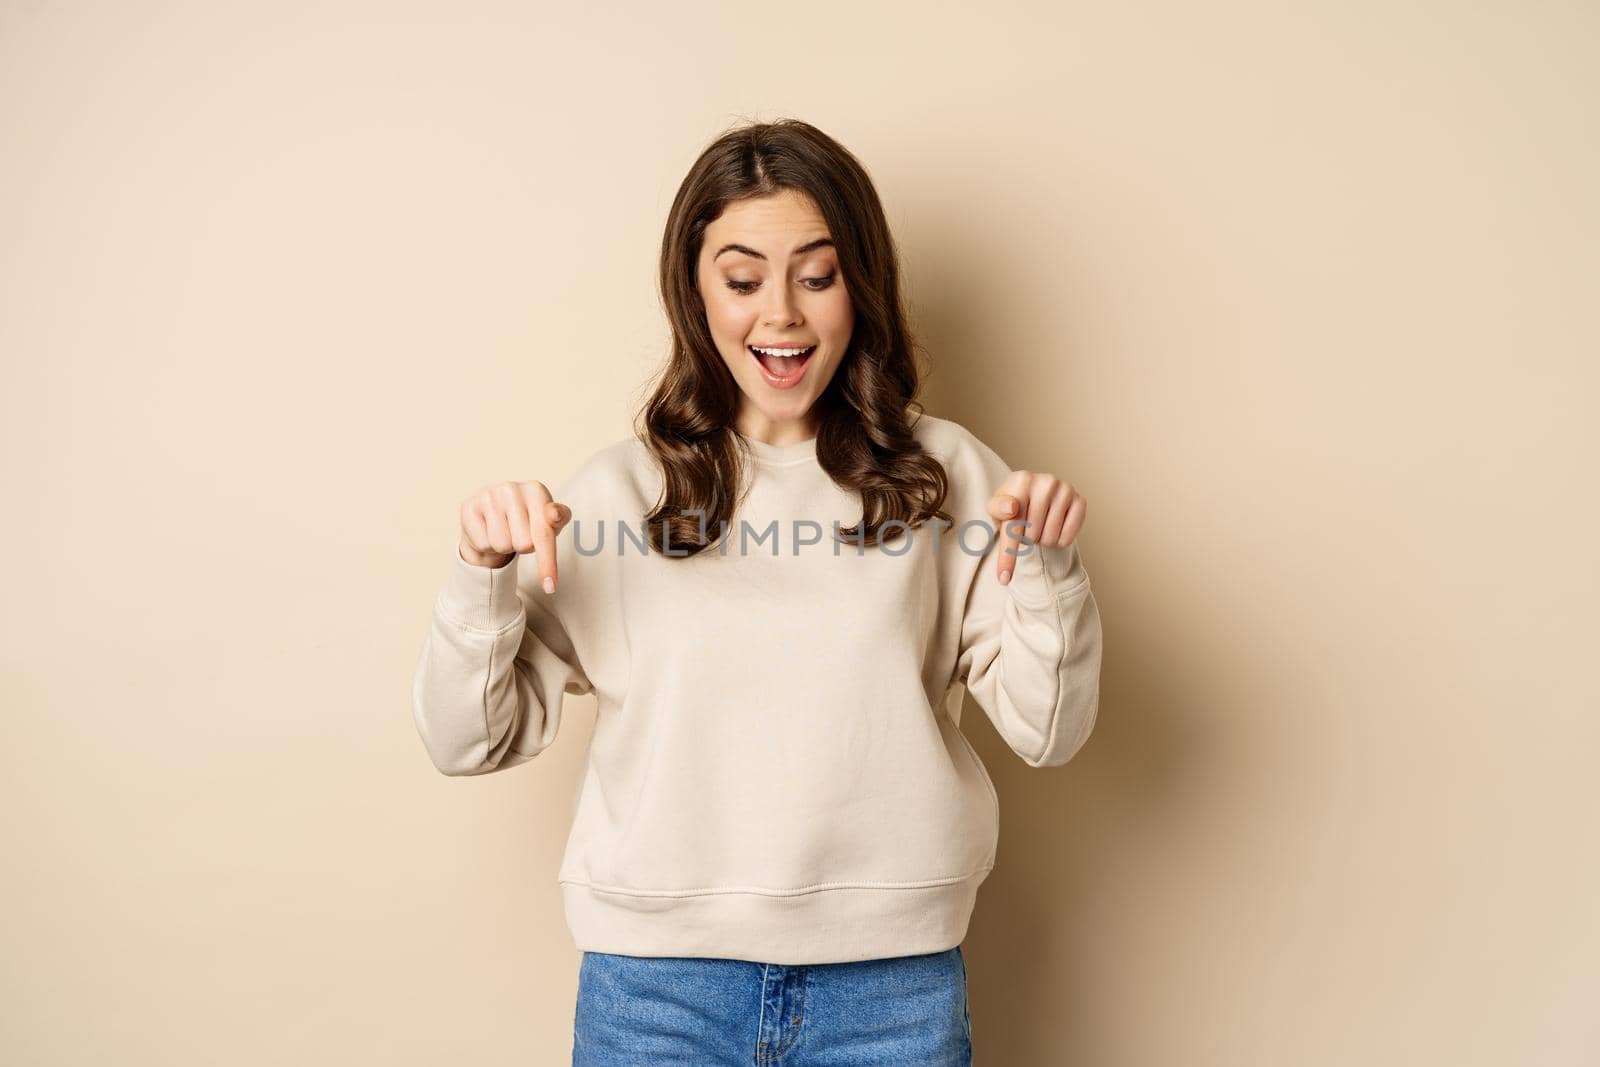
679	1011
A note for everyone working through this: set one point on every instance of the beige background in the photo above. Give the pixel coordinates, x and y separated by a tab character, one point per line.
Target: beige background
1303	297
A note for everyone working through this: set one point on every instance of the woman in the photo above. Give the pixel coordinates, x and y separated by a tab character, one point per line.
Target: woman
777	589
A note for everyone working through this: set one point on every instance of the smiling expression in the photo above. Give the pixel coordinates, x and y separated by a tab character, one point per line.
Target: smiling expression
769	277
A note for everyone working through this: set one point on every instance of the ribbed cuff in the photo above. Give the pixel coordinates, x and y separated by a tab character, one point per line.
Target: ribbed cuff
483	598
1045	572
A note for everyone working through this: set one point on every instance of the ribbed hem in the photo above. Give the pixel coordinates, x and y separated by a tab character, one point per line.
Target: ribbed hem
822	926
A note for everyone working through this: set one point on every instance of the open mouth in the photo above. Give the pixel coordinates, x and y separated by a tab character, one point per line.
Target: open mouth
782	371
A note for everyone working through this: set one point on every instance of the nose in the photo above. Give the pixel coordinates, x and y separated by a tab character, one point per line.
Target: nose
781	311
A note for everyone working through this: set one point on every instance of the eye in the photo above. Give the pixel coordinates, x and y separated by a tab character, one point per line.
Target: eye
816	285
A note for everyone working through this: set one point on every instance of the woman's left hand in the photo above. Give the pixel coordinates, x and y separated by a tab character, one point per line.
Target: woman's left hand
1051	508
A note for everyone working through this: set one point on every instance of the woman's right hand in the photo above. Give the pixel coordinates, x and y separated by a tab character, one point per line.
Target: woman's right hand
500	521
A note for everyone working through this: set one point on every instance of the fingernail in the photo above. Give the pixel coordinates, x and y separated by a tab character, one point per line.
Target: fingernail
1005	577
549	585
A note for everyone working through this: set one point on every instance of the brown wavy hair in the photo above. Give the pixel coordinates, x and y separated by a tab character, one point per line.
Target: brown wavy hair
864	440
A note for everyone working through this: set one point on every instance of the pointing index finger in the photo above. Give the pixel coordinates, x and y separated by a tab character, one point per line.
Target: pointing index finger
545	516
1009	507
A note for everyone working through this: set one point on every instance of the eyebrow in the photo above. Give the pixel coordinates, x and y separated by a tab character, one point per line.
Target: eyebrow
802	250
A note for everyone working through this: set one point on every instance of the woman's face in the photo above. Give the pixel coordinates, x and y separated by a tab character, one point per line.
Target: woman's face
769	276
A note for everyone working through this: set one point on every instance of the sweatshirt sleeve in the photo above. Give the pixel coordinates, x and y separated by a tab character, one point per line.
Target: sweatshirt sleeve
1030	650
496	660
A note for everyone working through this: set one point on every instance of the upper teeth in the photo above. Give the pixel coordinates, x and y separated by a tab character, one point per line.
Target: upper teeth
782	351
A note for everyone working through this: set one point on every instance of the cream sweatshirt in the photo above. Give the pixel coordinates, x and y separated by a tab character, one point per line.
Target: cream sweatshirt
777	771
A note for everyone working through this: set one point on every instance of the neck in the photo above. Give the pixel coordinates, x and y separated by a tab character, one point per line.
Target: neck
779	432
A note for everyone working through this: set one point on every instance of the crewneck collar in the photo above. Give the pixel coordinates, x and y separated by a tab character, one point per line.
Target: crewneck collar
780	455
